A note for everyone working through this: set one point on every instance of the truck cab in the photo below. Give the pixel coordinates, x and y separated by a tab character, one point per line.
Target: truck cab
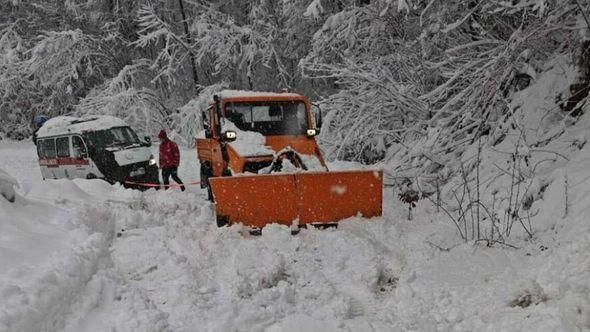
248	132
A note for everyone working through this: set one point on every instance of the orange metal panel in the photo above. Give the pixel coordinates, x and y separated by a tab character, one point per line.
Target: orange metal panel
209	149
204	149
236	162
325	197
332	196
256	200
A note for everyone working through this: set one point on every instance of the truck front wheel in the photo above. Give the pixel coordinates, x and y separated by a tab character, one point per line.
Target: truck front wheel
206	173
222	221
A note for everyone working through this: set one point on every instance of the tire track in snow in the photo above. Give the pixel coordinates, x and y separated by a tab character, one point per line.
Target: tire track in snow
107	300
150	258
365	298
218	279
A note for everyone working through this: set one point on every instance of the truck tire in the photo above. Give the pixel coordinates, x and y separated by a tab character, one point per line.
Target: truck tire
206	173
222	221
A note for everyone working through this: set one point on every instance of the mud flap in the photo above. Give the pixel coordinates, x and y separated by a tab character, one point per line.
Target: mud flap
310	197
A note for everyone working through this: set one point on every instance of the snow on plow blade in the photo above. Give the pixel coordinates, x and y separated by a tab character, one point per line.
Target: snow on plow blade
323	197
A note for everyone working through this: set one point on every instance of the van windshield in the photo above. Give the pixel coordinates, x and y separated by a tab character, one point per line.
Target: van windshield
269	118
120	137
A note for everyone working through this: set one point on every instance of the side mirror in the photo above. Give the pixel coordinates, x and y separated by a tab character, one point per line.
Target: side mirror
229	136
317	116
312	132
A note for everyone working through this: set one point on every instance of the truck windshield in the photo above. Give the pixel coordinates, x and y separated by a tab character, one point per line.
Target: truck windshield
120	137
269	118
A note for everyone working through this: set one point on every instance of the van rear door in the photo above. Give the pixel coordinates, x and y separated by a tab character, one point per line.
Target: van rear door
80	159
48	158
66	167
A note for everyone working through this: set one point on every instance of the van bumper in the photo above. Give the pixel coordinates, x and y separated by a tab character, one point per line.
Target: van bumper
150	179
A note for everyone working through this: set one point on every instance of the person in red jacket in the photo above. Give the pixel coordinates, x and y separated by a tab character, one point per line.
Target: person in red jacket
169	160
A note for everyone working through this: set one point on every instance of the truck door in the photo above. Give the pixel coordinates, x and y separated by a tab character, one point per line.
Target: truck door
209	148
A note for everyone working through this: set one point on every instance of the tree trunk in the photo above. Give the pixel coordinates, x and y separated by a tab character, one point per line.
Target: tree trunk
189	42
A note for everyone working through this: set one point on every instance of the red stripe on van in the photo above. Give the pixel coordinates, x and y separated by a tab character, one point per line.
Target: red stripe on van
56	162
48	162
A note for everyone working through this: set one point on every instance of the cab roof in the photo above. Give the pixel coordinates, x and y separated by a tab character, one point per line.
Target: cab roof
64	125
241	95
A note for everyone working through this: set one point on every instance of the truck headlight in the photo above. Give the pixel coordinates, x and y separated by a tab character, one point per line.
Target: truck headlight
152	160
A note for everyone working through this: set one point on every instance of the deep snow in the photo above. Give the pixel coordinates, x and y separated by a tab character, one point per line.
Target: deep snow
85	256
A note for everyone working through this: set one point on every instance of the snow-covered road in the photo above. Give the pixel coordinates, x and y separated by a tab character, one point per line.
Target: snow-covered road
85	256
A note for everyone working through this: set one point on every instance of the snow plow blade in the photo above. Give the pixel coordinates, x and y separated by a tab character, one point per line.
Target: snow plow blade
314	197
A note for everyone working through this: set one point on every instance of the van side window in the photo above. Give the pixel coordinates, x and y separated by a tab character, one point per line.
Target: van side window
63	147
47	148
40	148
79	148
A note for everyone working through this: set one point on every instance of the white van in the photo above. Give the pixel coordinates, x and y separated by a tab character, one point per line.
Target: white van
102	147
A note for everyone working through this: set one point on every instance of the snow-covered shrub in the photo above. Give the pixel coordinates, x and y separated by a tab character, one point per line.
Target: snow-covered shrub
371	114
7	184
526	293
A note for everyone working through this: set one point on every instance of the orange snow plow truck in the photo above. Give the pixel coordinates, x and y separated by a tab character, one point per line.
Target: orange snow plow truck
261	164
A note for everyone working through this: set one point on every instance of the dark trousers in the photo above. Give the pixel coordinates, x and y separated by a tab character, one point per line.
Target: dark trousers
168	172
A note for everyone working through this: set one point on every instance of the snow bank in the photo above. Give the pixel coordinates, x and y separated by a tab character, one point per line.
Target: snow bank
47	258
60	190
19	158
221	280
102	191
64	191
7	184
